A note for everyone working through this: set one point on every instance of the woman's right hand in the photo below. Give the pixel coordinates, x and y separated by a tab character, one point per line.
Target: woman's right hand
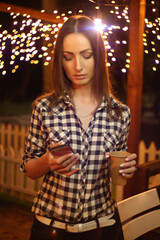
63	164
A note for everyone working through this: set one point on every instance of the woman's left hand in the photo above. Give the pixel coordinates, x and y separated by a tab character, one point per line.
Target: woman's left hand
127	168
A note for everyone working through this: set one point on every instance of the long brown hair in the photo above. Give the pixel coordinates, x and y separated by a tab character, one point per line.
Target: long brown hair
100	83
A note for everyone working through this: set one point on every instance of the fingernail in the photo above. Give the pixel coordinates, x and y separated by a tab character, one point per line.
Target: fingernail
122	165
70	154
76	155
120	171
107	155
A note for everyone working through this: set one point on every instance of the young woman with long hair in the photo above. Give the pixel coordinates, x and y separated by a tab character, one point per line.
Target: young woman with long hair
74	200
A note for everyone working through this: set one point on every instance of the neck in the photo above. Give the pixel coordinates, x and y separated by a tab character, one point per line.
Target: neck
83	94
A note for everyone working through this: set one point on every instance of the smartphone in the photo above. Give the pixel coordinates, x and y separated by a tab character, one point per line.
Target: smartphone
61	150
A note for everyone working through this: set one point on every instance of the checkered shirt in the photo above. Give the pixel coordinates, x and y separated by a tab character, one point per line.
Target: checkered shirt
86	194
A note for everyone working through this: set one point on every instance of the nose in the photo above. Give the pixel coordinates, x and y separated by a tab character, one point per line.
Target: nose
78	64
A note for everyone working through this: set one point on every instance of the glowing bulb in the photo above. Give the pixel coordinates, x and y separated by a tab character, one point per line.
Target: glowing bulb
124	70
113	59
48	58
125	29
16	67
98	24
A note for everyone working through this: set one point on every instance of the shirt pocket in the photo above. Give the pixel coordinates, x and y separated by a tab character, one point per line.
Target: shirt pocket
59	135
110	141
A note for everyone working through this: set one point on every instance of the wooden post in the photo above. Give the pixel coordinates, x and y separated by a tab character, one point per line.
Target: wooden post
135	79
47	70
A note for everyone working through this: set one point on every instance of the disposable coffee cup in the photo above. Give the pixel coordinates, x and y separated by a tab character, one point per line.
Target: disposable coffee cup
117	158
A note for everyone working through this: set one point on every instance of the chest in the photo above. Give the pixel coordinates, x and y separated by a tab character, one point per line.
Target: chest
91	134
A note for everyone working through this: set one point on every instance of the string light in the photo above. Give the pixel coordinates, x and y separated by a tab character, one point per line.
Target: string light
28	34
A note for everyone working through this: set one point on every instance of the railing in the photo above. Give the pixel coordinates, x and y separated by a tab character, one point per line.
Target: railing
14	182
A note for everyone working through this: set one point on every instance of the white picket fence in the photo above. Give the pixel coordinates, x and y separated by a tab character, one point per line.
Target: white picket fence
13	182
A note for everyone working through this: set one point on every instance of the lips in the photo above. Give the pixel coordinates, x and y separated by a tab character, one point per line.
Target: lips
79	76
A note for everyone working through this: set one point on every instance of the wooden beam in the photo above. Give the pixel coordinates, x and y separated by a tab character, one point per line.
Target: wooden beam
8	8
135	78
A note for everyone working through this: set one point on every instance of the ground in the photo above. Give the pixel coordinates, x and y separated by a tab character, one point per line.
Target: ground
15	221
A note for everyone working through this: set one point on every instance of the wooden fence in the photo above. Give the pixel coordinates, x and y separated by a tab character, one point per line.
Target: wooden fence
13	182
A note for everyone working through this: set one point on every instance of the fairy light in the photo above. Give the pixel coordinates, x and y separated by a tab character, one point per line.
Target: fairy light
55	11
124	70
108	64
28	33
98	24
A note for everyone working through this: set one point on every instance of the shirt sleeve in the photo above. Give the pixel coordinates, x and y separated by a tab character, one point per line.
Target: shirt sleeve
35	144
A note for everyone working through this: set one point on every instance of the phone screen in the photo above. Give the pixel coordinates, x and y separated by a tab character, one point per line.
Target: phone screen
60	150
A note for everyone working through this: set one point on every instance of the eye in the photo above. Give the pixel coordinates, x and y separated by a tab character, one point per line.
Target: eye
87	55
67	57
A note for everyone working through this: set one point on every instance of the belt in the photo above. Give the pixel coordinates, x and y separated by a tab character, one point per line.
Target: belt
79	227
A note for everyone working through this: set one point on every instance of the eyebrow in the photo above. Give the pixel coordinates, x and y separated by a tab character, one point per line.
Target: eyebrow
85	50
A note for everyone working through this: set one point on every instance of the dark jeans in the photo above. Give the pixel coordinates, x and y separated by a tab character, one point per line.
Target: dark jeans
41	231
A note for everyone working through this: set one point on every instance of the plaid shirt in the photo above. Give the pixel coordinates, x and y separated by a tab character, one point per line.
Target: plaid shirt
86	194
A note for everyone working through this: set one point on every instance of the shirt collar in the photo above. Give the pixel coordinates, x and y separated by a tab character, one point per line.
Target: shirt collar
104	103
66	102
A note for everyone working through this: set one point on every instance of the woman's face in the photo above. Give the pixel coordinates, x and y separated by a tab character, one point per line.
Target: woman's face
78	60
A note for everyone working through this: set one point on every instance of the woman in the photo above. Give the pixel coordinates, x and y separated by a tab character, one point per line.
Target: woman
75	197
